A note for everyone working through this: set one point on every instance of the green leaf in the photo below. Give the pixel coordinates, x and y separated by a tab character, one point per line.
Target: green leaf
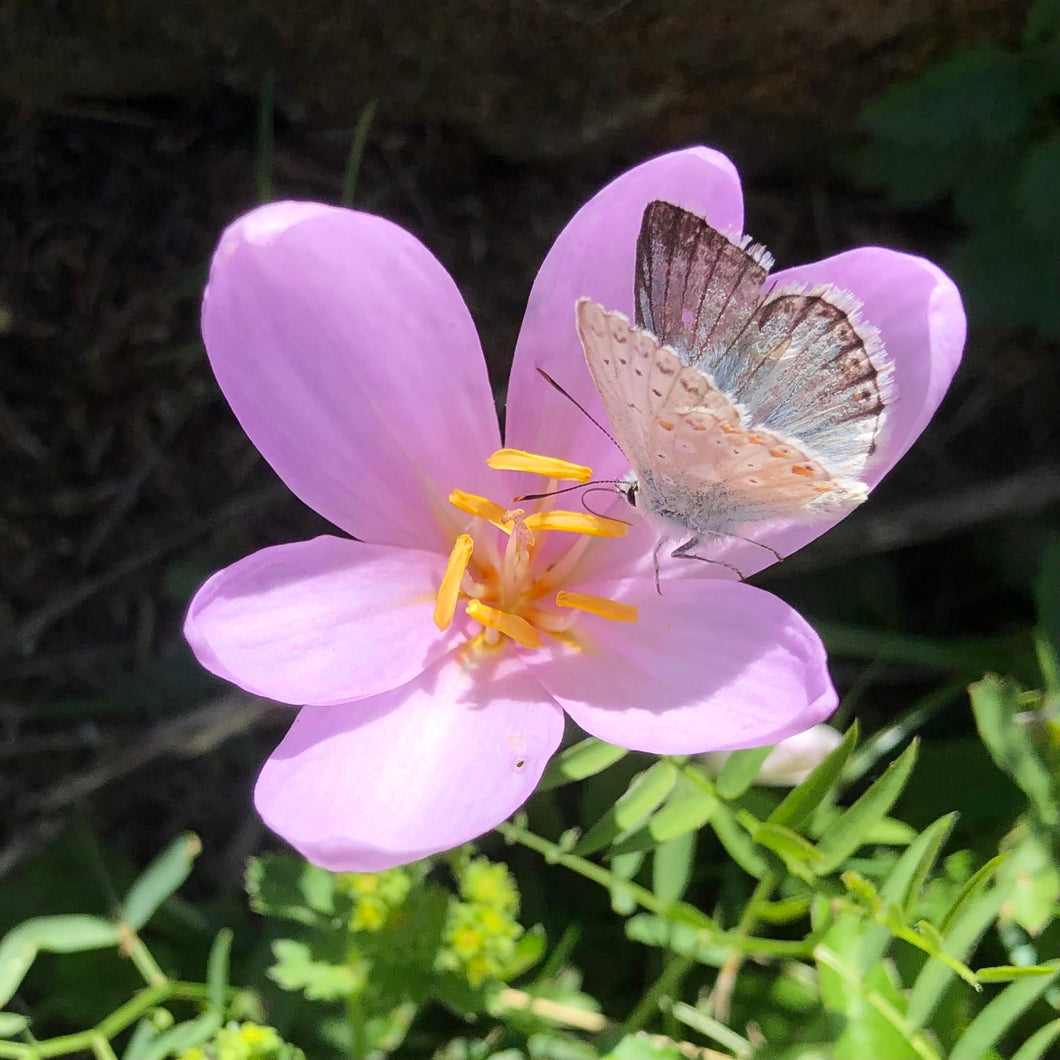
797	806
1035	1046
1007	973
687	808
740	770
968	892
1032	875
800	856
529	949
845	834
711	1028
644	1047
183	1036
644	794
961	936
297	969
999	1015
217	969
623	868
737	842
1008	738
69	933
582	760
11	1023
903	884
876	1024
282	885
160	880
671	868
705	945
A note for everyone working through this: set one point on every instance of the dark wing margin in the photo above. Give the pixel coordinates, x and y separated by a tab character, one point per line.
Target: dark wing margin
695	289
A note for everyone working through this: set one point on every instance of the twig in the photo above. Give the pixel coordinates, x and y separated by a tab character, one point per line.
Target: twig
593	1022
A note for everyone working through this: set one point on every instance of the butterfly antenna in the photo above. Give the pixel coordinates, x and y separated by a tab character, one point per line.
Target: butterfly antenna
600	489
566	489
579	406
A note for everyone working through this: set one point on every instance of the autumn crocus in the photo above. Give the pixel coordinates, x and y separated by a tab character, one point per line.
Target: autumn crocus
435	653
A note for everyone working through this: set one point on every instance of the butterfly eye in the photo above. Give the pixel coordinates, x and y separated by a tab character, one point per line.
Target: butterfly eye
631	494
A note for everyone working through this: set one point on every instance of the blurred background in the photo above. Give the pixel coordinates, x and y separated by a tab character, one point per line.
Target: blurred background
132	132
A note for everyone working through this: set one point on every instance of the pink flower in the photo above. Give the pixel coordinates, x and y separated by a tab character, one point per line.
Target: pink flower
351	361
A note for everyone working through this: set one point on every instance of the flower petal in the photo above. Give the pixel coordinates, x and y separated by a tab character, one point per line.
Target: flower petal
321	621
710	665
420	769
595	257
350	359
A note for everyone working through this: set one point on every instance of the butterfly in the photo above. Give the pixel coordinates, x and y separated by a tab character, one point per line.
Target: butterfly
733	401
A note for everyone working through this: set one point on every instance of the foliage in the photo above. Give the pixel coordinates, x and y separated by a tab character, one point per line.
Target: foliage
982	129
837	928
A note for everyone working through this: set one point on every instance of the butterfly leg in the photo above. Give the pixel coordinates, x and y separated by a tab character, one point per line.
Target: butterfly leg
684	551
655	563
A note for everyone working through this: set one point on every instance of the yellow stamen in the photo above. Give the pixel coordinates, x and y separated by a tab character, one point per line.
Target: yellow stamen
449	591
481	508
504	622
577	523
547	466
597	605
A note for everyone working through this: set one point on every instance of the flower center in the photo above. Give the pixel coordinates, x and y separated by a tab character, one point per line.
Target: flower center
497	567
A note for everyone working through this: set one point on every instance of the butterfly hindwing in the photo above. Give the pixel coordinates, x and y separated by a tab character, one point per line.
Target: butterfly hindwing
814	372
695	288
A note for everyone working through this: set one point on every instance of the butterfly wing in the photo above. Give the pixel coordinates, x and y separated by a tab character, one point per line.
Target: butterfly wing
808	368
697	461
695	288
638	380
800	364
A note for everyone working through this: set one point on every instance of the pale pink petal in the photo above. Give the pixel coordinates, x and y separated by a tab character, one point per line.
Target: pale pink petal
350	359
321	621
710	665
594	257
420	769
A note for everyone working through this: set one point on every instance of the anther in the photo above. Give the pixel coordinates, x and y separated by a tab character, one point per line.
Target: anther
481	508
597	605
449	591
577	523
546	466
504	622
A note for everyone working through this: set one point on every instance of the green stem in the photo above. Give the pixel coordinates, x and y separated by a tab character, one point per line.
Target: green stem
675	970
680	913
358	1030
108	1027
145	964
101	1049
725	984
591	871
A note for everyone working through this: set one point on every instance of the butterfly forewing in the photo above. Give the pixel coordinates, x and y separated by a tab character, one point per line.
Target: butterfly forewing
641	381
695	288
